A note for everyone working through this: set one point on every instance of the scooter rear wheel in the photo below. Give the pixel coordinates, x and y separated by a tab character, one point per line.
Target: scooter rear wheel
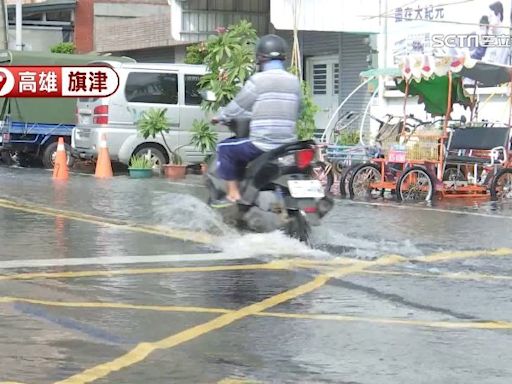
299	228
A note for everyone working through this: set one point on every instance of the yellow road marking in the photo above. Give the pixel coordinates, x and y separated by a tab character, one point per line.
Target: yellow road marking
180	234
306	316
275	265
417	323
235	380
455	255
143	350
10	382
100	305
451	275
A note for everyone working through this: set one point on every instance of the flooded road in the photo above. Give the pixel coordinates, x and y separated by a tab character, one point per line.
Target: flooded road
132	281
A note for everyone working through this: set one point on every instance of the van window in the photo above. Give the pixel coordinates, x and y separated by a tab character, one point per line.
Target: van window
152	88
192	96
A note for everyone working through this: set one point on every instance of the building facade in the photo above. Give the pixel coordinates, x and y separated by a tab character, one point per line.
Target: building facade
45	23
335	40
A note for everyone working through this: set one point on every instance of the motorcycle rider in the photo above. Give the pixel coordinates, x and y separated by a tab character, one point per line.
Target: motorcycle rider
272	98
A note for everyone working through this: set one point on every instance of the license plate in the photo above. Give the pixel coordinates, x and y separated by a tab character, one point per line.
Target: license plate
306	189
85	120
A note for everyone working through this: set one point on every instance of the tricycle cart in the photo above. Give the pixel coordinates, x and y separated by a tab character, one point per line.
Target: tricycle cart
452	159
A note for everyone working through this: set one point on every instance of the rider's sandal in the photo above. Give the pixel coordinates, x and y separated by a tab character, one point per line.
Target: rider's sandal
223	203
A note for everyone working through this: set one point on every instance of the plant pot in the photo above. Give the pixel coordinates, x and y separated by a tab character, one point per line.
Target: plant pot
175	172
204	168
140	173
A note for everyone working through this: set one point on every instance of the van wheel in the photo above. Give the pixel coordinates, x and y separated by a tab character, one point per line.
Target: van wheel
7	158
156	156
50	154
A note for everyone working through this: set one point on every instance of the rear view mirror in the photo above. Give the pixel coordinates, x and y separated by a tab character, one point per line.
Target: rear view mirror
208	95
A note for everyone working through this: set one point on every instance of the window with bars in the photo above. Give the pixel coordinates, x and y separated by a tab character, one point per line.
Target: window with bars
336	76
202	17
320	79
228	5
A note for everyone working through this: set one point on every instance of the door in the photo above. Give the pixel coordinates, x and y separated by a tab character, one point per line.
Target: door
323	78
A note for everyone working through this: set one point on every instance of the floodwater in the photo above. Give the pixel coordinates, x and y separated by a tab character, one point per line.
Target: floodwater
90	269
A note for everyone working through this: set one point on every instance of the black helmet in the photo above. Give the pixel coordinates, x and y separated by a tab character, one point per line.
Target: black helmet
271	47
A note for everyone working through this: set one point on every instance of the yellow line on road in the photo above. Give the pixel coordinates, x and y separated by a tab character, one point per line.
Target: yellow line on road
235	380
10	382
451	275
275	265
455	255
304	316
179	234
100	305
417	323
143	350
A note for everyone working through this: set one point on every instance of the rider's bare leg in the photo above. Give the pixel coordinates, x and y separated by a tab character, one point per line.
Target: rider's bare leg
233	191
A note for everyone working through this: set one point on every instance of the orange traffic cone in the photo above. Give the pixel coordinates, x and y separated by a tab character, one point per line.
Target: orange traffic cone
103	165
60	168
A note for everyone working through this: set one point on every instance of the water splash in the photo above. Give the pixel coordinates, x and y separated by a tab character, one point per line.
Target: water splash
362	247
189	212
274	244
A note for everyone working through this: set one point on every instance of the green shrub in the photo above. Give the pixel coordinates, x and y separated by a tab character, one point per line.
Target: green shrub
140	162
154	122
204	137
68	48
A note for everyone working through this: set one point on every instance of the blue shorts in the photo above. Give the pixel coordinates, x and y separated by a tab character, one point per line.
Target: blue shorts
233	156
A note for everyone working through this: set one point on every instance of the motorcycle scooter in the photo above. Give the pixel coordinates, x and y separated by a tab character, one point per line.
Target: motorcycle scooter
278	189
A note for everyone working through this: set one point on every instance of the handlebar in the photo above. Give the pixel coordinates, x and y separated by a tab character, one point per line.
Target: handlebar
421	122
216	121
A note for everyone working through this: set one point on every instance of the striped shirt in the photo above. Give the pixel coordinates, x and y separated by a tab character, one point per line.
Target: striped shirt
272	99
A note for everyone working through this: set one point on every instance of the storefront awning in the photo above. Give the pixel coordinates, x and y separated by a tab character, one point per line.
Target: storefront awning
326	15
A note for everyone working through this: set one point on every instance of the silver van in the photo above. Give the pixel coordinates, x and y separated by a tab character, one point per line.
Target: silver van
143	86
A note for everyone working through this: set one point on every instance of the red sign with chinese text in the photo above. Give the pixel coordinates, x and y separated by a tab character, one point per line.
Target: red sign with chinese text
58	81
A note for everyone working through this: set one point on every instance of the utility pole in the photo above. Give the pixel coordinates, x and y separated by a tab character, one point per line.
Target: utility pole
19	23
4	26
385	33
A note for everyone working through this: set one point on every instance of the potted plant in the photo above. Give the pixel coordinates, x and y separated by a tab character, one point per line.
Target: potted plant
204	138
154	122
140	167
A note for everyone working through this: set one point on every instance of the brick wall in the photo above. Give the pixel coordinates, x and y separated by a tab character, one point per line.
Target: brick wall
134	33
84	26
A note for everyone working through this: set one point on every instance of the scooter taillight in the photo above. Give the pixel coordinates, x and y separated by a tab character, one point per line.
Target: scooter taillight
304	157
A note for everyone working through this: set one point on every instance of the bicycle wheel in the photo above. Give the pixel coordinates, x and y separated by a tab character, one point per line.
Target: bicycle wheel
415	184
362	178
346	174
501	186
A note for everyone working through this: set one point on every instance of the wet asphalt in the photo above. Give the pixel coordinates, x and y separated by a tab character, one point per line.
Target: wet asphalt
133	281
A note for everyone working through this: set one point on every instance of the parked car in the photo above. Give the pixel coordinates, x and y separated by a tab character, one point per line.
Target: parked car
143	86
